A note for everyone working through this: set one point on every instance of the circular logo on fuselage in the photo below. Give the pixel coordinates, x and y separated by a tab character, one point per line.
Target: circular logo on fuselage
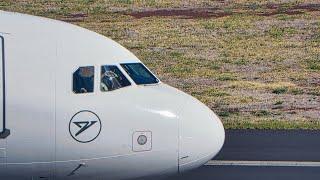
85	126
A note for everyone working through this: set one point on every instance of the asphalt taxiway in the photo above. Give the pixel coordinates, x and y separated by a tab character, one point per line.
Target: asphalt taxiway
264	155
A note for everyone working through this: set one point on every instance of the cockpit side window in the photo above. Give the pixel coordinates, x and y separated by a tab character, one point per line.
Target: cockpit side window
83	80
139	73
112	78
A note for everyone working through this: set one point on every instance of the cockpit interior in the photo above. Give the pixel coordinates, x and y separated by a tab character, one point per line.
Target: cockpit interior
112	77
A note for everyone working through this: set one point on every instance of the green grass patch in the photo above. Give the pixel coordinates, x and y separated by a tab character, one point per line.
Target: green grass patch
241	62
314	92
224	114
176	55
123	1
296	91
278	32
314	66
261	113
280	90
226	77
214	67
272	124
213	92
279	102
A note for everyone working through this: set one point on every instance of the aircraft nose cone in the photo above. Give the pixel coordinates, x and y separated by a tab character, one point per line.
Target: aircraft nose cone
201	135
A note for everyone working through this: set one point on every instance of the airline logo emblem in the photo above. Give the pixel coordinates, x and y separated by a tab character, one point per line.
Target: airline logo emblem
85	126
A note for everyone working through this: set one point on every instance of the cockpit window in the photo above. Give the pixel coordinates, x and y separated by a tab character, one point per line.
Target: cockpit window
83	80
112	78
139	73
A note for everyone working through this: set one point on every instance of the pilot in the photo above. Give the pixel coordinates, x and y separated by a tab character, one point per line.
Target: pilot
83	80
109	80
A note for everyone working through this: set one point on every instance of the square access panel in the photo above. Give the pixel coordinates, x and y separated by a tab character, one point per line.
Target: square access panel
142	141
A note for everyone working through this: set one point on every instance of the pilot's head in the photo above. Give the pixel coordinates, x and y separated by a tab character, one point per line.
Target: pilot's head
86	72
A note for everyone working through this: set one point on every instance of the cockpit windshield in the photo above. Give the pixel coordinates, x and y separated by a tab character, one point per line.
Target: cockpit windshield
139	73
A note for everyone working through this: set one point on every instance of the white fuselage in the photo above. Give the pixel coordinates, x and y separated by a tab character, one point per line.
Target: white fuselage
131	132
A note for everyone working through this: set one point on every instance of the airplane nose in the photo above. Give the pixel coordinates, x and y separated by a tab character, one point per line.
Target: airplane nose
201	135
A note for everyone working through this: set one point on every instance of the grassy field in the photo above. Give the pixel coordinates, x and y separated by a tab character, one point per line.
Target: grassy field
255	63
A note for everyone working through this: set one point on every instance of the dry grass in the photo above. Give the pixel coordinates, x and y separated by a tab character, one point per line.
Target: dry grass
257	63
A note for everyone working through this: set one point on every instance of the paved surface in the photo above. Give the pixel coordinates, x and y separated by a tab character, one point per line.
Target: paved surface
251	173
293	145
278	147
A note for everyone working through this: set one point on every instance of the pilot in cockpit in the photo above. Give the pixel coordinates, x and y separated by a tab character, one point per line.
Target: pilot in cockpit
83	80
112	78
109	80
